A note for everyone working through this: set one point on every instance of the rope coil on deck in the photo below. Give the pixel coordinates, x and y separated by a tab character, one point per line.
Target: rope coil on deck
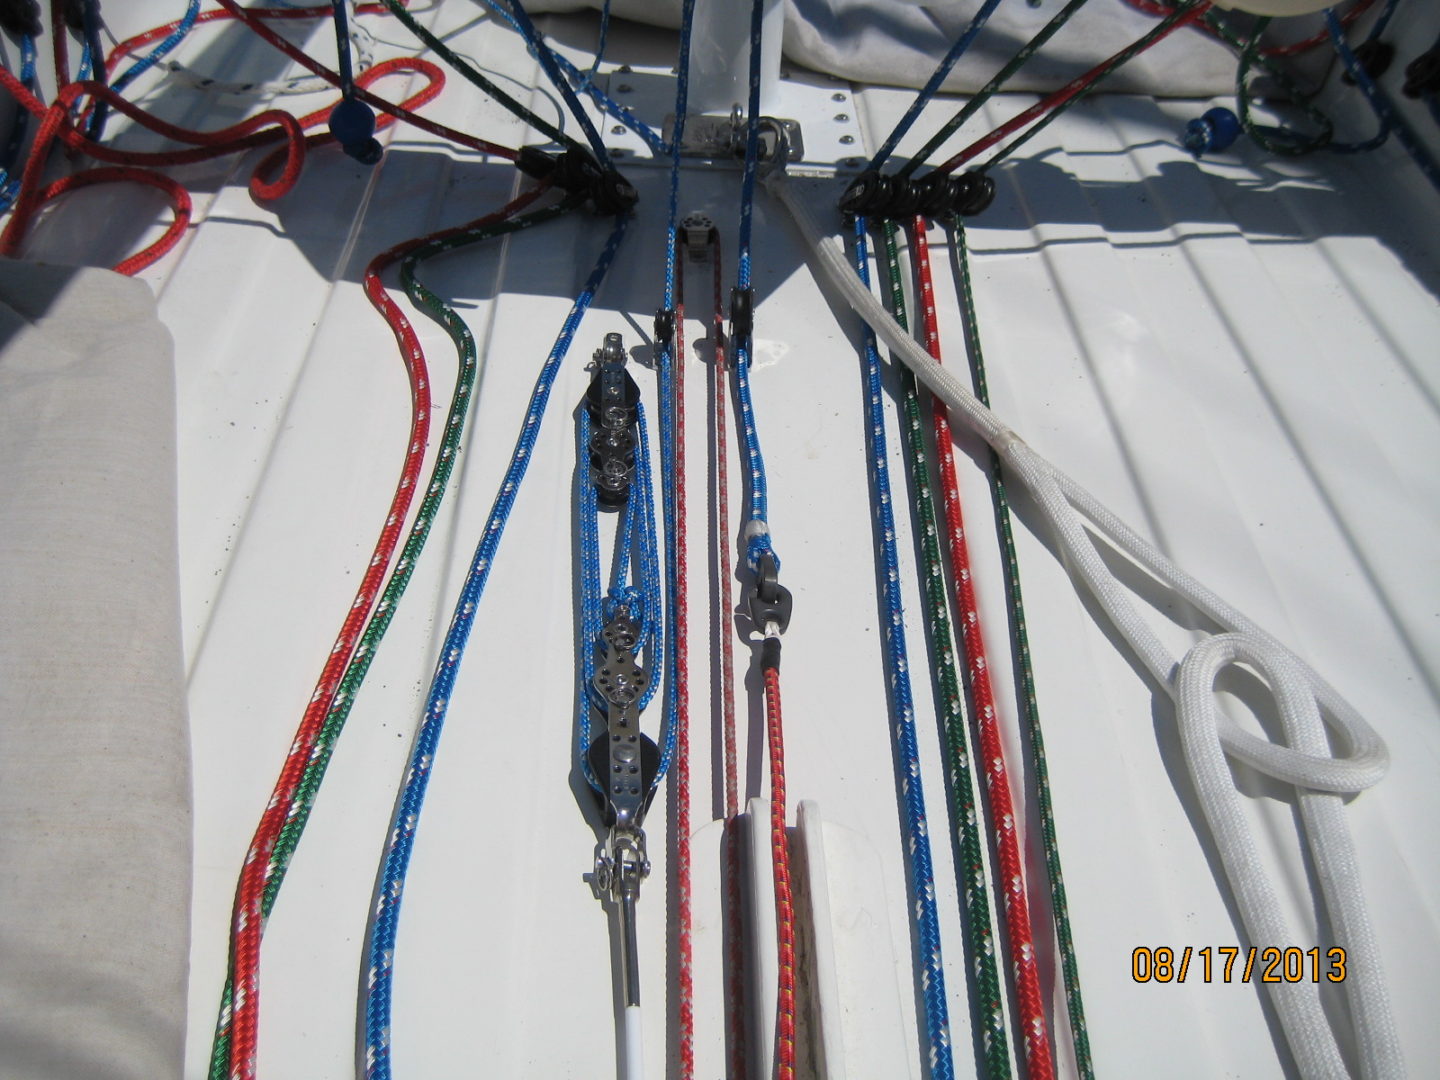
1072	513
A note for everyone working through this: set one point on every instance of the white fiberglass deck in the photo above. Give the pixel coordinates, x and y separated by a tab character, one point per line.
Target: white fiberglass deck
1240	356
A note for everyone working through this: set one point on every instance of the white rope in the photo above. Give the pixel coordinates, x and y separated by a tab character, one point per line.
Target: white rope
362	45
1306	704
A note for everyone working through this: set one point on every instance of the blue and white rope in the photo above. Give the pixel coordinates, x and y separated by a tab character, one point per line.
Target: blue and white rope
94	56
635	555
155	55
924	914
579	80
1389	116
520	19
757	529
10	154
588	79
932	85
389	891
1382	133
667	364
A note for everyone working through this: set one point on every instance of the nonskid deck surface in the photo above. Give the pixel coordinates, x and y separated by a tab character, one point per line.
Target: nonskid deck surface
1237	355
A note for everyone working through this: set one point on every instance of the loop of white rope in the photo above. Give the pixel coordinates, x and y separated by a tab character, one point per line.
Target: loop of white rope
1306	703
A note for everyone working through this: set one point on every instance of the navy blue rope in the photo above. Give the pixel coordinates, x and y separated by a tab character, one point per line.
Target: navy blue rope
345	65
1389	116
405	822
155	55
10	154
924	914
94	55
650	136
1383	21
667	363
548	60
757	530
932	86
588	79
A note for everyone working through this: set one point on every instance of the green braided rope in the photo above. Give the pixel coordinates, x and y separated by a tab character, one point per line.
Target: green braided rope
399	581
987	1013
468	72
987	91
1276	140
1119	60
1025	671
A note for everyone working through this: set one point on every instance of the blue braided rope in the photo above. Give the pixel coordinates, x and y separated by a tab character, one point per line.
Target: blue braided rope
667	363
757	541
1383	21
635	555
1382	133
1389	116
682	106
588	78
591	616
924	914
643	500
345	65
549	61
155	55
932	86
752	145
94	57
577	79
381	945
10	153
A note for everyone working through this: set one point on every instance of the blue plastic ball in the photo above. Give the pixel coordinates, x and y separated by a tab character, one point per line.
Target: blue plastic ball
352	121
1224	127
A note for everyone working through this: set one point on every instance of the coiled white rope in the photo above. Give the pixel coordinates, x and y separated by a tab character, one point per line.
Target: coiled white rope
1306	703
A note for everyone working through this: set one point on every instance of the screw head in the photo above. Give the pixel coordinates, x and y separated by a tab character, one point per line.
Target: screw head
618	129
624	88
846	140
841	117
837	96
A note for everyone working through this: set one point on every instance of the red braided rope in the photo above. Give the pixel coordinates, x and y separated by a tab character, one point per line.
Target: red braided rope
435	82
59	32
248	927
685	991
55	124
784	904
179	202
298	55
724	608
131	44
1294	48
1074	88
997	780
258	130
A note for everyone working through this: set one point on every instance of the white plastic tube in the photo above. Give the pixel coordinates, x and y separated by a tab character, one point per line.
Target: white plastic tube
634	1045
1306	702
720	56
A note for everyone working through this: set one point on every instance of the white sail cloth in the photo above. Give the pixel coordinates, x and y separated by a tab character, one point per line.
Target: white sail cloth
95	797
898	44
